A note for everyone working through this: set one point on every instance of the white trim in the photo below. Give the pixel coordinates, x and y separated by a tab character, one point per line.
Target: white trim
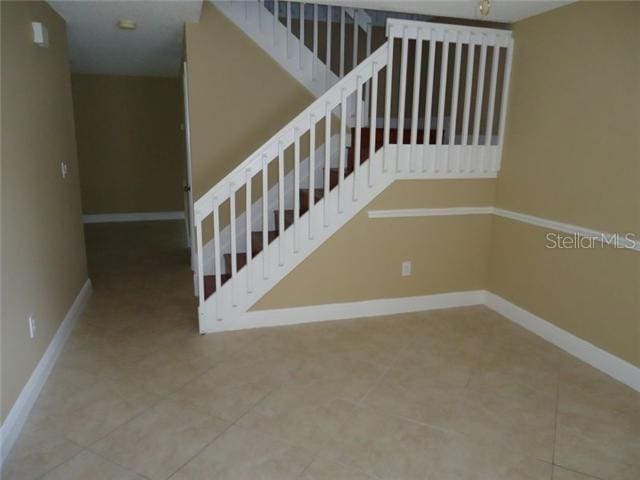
131	217
367	308
596	357
13	424
567	228
429	212
622	241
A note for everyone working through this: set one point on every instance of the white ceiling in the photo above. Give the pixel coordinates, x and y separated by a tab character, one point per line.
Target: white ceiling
501	10
97	45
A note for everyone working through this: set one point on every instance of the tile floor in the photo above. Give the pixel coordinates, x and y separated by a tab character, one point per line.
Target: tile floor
449	394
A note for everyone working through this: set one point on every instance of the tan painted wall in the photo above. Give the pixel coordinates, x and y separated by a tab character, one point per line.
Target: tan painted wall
43	256
238	97
362	260
572	154
130	145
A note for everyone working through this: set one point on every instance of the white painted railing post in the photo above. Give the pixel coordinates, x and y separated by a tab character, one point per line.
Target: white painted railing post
315	41
477	114
402	97
504	101
387	102
248	228
416	97
328	57
428	109
471	49
356	158
265	216
296	188
234	250
275	22
342	19
312	172
281	208
216	247
454	104
327	161
372	120
444	64
301	43
343	148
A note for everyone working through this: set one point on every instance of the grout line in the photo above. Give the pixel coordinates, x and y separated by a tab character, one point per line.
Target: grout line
555	422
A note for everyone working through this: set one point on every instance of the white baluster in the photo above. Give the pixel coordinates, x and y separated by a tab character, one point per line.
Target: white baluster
265	216
503	100
302	36
454	104
275	22
372	121
444	63
355	39
367	87
281	204
248	226
416	97
234	250
312	171
342	19
296	187
477	114
471	49
315	41
216	248
200	259
328	71
260	7
402	100
288	43
356	158
492	102
387	102
428	109
343	148
327	160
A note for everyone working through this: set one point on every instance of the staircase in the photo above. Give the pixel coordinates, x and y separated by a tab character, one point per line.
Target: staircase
428	103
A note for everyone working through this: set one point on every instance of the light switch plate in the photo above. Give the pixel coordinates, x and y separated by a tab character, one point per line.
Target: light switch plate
406	268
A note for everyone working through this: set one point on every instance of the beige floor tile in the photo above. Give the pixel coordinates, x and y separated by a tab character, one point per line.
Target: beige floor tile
594	438
460	457
516	416
322	469
241	454
38	450
560	473
89	466
160	440
87	414
301	416
385	447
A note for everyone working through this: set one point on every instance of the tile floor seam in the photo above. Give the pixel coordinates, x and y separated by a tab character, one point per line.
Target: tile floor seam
172	474
82	449
570	469
555	423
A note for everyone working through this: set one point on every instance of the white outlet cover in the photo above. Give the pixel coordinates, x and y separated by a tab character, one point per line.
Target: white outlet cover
32	326
406	268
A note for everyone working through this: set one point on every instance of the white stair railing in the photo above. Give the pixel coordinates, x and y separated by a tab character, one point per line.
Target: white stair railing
454	141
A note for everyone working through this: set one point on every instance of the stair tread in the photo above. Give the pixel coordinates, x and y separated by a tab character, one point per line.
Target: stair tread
210	283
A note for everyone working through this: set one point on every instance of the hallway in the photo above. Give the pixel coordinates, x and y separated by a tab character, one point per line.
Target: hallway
459	393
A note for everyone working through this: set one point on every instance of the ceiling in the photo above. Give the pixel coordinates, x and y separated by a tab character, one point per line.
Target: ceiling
98	46
501	11
154	48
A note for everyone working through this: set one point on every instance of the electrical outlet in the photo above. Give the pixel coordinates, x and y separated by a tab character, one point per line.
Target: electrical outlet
64	169
406	268
32	326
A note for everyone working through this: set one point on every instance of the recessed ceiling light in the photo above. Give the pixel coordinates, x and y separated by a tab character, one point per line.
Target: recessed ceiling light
126	24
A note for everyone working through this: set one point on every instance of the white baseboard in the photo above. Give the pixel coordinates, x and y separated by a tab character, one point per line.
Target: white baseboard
367	308
131	217
613	366
13	424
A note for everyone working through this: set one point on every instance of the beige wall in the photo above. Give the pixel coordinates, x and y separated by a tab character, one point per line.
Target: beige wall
238	97
43	257
572	154
130	145
362	260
